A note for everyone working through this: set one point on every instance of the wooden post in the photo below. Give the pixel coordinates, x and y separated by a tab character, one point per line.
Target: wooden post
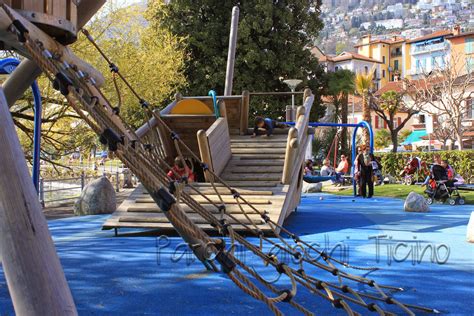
86	10
244	112
205	152
229	76
222	108
20	80
178	97
290	153
34	275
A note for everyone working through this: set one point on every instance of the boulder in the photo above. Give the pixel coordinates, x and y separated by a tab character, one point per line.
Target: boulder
312	187
98	197
470	229
416	203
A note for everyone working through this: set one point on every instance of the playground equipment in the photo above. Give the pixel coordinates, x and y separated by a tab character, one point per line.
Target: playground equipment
146	152
7	66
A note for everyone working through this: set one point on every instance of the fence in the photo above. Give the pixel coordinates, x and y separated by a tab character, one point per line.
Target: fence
67	189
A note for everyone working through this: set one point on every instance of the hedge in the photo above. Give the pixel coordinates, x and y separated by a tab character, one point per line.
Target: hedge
461	161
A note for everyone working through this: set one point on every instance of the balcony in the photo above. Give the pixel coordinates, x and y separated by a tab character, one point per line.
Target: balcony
395	53
429	48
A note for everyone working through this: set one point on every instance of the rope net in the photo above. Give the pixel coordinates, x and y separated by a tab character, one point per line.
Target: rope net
297	264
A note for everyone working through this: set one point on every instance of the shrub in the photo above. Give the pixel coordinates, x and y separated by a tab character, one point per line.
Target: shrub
461	161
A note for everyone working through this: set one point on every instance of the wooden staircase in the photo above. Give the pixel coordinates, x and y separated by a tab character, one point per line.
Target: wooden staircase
255	170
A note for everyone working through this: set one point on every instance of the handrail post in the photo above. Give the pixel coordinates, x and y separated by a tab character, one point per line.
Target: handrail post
117	181
205	152
290	155
222	108
83	180
41	191
244	112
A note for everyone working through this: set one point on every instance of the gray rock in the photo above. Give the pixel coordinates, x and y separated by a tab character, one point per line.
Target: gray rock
416	203
98	197
312	187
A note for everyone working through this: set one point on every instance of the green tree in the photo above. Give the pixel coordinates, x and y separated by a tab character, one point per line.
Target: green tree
387	106
382	139
150	57
339	85
273	38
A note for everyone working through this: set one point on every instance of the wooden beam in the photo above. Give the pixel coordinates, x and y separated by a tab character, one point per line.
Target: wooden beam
86	10
10	41
34	275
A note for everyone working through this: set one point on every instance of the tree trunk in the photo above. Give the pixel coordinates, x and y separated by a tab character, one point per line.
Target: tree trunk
344	113
459	139
394	136
366	117
34	275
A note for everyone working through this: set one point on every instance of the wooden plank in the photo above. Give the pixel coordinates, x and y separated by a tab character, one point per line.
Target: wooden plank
253	177
161	218
258	145
260	151
256	157
247	169
260	162
227	200
230	209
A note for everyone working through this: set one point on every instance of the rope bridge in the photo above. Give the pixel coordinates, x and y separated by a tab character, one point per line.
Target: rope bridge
323	276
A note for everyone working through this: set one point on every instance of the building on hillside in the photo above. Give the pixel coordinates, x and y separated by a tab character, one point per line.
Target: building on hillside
354	62
427	53
462	52
388	52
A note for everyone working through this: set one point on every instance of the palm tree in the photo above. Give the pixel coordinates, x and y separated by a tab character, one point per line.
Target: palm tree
341	84
363	83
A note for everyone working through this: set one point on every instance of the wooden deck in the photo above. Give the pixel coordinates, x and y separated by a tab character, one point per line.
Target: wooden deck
255	170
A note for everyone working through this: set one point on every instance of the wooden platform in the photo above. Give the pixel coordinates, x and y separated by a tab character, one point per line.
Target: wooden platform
255	170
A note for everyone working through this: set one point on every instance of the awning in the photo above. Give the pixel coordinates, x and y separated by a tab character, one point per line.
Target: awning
415	136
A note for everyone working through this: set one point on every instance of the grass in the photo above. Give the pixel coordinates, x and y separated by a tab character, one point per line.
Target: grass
401	191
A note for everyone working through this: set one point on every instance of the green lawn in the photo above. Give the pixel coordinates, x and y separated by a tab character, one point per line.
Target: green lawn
401	191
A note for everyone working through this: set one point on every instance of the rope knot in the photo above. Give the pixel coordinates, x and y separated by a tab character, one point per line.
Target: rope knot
337	303
113	68
174	136
281	268
144	104
371	307
289	295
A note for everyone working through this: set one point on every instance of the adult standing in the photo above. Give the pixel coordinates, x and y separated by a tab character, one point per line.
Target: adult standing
364	163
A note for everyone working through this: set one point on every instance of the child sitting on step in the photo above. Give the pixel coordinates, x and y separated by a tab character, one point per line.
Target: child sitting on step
181	170
267	124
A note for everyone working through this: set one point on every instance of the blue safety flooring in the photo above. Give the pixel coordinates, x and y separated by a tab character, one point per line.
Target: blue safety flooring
151	275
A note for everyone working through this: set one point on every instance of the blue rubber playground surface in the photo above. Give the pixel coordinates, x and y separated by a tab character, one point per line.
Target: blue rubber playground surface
153	275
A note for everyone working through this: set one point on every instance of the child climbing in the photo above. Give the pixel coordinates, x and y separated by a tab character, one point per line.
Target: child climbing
181	170
267	124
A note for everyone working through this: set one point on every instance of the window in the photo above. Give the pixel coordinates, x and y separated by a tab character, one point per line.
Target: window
383	73
383	59
376	121
469	64
366	69
421	119
337	68
470	108
395	65
418	65
399	121
469	45
433	62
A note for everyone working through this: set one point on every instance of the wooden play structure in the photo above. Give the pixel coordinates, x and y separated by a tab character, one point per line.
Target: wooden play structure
251	185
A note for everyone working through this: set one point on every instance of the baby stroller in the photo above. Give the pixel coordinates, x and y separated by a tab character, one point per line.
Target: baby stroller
415	171
442	189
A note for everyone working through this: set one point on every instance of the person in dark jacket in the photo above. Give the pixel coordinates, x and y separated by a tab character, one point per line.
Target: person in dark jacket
364	162
267	124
